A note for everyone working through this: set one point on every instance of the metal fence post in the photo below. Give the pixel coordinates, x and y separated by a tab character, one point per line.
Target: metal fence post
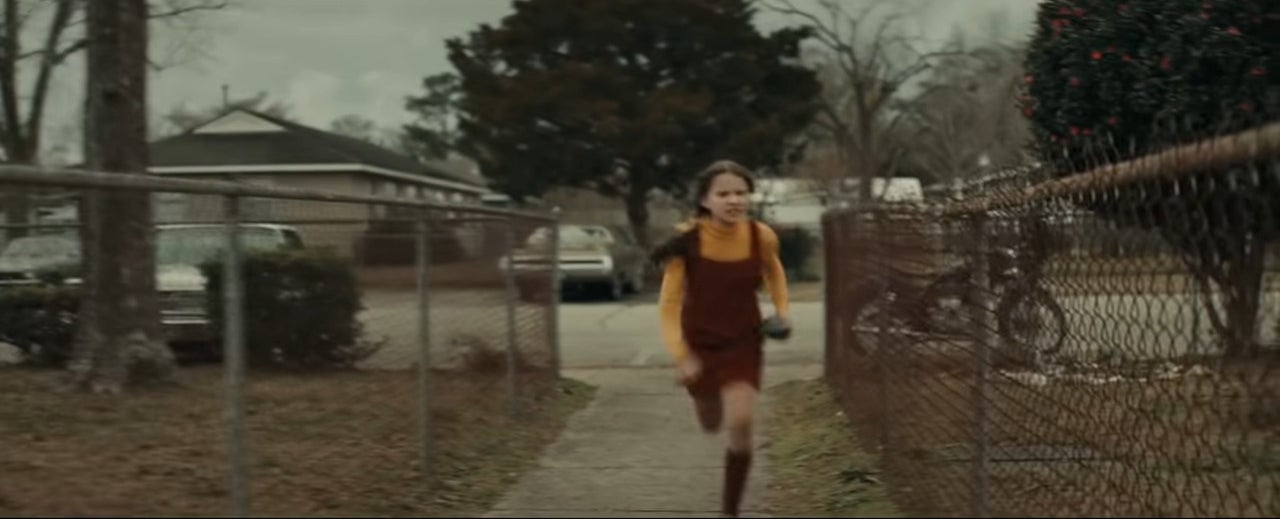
423	232
880	339
839	264
508	276
554	323
234	357
983	321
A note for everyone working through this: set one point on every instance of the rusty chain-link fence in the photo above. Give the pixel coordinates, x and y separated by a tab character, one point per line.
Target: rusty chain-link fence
300	347
1102	344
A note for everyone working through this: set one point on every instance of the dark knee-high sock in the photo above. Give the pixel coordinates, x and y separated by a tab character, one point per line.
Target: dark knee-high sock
736	467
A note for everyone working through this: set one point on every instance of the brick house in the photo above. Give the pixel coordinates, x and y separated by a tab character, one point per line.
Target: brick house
248	146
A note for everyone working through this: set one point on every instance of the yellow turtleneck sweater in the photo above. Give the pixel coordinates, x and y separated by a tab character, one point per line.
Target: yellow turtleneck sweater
718	243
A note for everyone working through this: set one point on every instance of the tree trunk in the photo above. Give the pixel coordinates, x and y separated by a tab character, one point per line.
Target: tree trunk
867	172
17	208
121	342
638	214
1239	281
1242	297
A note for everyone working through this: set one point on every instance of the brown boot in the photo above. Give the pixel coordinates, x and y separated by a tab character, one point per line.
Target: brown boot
736	467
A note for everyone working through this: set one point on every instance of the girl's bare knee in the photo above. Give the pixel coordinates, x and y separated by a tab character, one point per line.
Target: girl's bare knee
739	403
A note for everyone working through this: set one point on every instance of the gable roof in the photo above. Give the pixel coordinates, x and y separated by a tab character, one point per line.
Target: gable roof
262	140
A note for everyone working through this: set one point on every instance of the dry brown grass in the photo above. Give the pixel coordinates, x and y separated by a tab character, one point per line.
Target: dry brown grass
1154	275
334	444
473	274
1196	445
817	468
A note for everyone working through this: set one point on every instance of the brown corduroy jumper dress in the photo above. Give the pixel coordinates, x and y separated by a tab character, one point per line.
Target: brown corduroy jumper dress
721	318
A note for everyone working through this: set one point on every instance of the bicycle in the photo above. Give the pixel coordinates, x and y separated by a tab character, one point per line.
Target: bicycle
944	305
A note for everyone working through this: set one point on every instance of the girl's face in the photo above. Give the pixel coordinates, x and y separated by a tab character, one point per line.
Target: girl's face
728	199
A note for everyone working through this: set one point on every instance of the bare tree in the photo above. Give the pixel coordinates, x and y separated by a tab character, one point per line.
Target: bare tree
967	114
62	37
356	127
120	341
183	118
393	138
865	63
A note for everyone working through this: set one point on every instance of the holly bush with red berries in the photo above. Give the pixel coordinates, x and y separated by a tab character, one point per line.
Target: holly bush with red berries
1108	80
1133	76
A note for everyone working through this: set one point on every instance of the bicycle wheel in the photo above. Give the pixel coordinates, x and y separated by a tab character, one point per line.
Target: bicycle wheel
1032	319
875	321
946	306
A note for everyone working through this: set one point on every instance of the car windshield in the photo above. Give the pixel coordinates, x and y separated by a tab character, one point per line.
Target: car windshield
571	235
193	246
42	247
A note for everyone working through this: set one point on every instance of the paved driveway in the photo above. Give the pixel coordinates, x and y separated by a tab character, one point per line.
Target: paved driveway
592	334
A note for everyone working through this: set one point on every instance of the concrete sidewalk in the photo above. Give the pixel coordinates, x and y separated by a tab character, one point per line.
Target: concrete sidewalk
636	451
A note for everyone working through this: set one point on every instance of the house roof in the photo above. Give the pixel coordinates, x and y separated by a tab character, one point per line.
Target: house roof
249	138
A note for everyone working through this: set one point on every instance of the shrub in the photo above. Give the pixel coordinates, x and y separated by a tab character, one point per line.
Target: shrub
795	247
1111	72
300	310
41	322
1113	79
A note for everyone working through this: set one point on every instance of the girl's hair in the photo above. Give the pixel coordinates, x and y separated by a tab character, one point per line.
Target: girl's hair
676	245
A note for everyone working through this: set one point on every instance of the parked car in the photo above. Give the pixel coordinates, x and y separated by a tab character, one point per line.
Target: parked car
603	258
180	249
39	259
180	285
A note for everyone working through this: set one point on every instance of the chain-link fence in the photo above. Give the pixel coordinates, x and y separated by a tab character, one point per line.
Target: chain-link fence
1101	344
302	343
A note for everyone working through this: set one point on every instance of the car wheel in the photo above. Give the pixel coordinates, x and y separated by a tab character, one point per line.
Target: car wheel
613	290
636	284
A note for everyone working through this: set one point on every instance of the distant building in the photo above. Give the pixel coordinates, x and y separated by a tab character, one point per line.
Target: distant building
248	146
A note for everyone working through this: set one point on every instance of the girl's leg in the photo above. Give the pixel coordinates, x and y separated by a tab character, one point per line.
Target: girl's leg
710	409
739	409
739	403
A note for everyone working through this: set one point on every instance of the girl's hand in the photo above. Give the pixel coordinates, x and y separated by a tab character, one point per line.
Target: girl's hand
777	327
688	370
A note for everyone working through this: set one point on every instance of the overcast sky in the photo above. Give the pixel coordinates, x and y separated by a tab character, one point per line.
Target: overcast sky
328	58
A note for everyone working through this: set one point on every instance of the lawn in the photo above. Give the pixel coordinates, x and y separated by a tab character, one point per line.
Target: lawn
817	469
1127	442
334	444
